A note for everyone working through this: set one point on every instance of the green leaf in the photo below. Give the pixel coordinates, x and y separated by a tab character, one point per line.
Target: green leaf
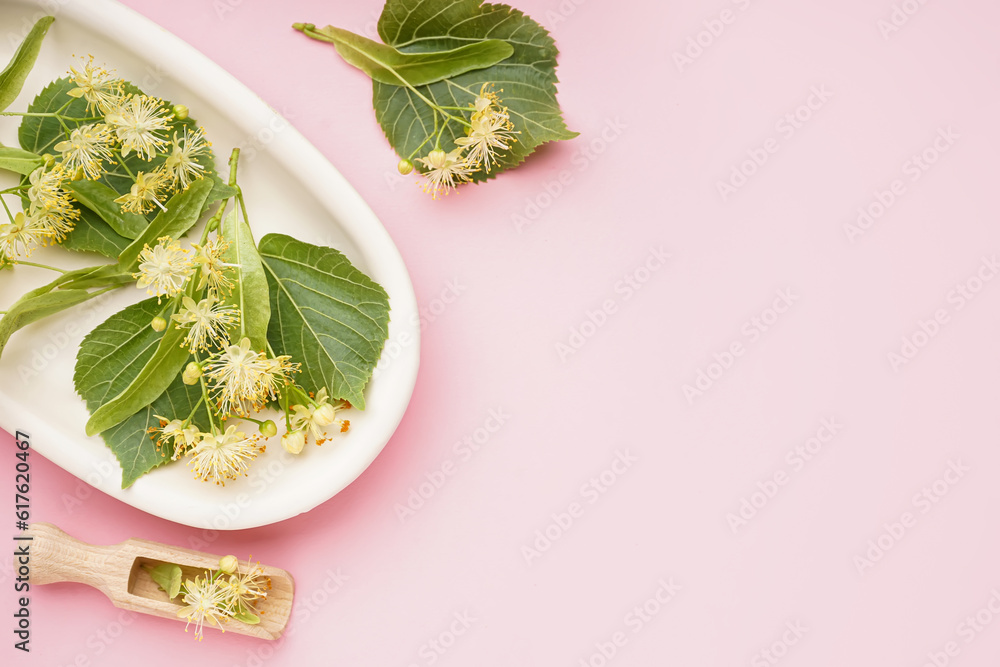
183	211
110	358
246	617
160	370
13	76
389	66
168	576
33	307
64	292
250	293
326	314
40	134
525	82
100	199
19	161
91	233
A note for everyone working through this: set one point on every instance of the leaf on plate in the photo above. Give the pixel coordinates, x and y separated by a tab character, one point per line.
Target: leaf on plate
161	369
168	577
40	134
19	161
110	358
36	305
92	234
525	82
250	293
100	199
326	314
17	70
183	211
389	66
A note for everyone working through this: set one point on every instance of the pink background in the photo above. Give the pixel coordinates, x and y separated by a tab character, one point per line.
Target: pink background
532	259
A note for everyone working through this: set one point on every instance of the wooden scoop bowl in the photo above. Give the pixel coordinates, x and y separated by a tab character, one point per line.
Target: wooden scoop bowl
117	571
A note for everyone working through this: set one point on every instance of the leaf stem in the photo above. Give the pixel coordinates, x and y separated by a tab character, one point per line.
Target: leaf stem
128	171
197	405
204	396
415	150
40	266
9	214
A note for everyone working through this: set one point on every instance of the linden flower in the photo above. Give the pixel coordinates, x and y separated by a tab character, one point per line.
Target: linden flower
87	147
145	192
316	416
180	165
445	171
243	590
55	226
244	379
136	121
293	441
96	85
486	102
18	238
208	321
164	269
225	456
47	194
204	600
489	133
213	269
184	437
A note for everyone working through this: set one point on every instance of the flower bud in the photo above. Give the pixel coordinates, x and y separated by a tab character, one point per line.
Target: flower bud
191	373
228	564
436	156
324	415
404	167
48	159
158	323
293	441
180	112
268	429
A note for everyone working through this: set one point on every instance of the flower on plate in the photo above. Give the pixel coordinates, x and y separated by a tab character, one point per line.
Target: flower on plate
163	269
87	148
144	193
213	269
218	457
183	437
19	238
445	171
207	321
54	226
293	441
47	194
137	121
180	165
244	379
96	85
318	415
205	602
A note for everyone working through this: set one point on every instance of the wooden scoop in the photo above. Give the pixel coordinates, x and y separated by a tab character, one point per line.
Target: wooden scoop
117	571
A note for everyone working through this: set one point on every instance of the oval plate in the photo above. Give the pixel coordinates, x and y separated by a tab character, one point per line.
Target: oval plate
290	188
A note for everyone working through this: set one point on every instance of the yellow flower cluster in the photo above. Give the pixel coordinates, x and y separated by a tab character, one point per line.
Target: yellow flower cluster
489	131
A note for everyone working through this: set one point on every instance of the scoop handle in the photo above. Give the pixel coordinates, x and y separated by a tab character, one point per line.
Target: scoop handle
55	557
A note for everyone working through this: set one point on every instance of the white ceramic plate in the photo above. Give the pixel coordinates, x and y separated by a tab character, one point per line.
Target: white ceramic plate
290	188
